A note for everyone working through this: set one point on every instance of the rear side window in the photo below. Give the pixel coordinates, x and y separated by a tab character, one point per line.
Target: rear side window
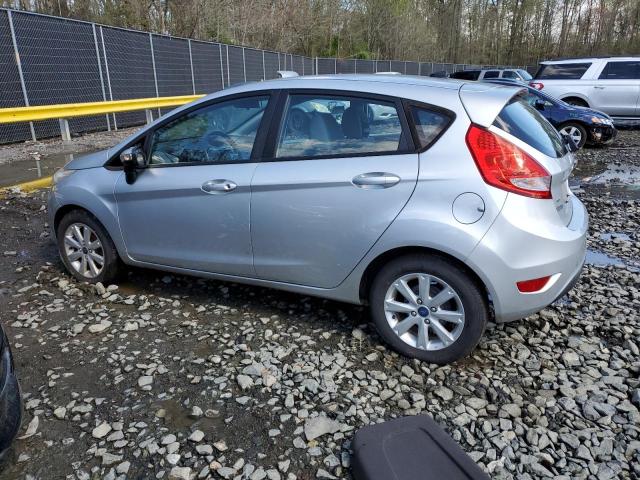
525	123
621	71
429	124
492	74
562	71
320	126
510	74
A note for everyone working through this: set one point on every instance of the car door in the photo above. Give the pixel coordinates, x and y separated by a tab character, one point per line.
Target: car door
335	178
617	89
190	206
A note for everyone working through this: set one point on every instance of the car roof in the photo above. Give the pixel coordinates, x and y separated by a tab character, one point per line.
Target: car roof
588	59
482	102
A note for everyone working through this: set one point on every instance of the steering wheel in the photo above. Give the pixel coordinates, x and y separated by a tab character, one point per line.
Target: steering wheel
222	146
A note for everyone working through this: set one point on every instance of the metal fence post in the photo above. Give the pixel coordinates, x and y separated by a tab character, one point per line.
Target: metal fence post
106	67
264	69
104	95
221	65
20	74
193	80
244	66
316	72
64	130
228	76
153	62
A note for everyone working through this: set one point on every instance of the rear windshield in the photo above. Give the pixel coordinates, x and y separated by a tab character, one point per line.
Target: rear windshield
525	123
562	71
525	75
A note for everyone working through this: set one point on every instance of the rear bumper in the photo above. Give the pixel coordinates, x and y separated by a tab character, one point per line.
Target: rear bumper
10	399
521	246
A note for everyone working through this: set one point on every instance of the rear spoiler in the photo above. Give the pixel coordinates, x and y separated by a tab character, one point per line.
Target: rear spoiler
484	101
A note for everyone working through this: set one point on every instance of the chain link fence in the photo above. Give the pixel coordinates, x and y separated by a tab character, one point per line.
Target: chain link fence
47	60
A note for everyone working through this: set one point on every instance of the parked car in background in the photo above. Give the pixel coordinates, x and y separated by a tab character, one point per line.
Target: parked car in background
608	84
516	74
583	125
455	206
10	398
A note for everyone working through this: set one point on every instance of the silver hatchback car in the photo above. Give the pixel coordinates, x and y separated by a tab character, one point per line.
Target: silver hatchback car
439	203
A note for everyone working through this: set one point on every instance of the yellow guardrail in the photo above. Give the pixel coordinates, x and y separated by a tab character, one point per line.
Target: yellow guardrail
64	111
69	110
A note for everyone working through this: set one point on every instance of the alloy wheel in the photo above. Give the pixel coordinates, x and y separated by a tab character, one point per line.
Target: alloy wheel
424	311
573	132
84	250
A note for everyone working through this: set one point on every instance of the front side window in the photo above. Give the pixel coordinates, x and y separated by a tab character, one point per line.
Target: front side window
316	126
562	71
621	71
525	123
220	133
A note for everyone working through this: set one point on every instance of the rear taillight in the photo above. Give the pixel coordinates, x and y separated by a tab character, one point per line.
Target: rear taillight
505	166
537	85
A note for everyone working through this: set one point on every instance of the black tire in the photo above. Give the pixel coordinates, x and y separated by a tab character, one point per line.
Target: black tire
471	295
112	263
578	102
580	127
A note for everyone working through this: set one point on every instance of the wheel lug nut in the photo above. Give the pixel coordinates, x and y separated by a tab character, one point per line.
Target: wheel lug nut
413	313
419	301
433	309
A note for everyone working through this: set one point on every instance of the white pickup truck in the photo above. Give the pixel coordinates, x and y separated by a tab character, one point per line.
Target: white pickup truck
608	84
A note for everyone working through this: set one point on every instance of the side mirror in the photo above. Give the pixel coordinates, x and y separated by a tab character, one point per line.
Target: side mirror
539	104
132	159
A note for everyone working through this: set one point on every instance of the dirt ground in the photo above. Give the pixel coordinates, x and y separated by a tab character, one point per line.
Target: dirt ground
164	376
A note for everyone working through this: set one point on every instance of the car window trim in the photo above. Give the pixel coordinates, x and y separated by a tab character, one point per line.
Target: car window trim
278	123
409	104
144	137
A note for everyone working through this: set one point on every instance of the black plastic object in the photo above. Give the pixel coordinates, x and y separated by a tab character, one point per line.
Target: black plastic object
410	448
10	398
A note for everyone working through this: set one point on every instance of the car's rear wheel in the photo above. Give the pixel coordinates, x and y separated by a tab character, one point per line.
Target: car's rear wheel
428	308
86	249
575	131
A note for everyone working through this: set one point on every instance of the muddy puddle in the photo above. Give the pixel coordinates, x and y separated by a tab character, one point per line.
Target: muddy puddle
601	259
40	166
177	417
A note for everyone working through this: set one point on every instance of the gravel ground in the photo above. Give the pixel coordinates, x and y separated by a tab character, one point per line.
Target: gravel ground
165	376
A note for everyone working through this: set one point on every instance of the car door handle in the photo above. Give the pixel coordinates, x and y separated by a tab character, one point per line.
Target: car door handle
375	180
218	186
599	87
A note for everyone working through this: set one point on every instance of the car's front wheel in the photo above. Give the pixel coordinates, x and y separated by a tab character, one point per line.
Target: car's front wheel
575	131
428	308
86	249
